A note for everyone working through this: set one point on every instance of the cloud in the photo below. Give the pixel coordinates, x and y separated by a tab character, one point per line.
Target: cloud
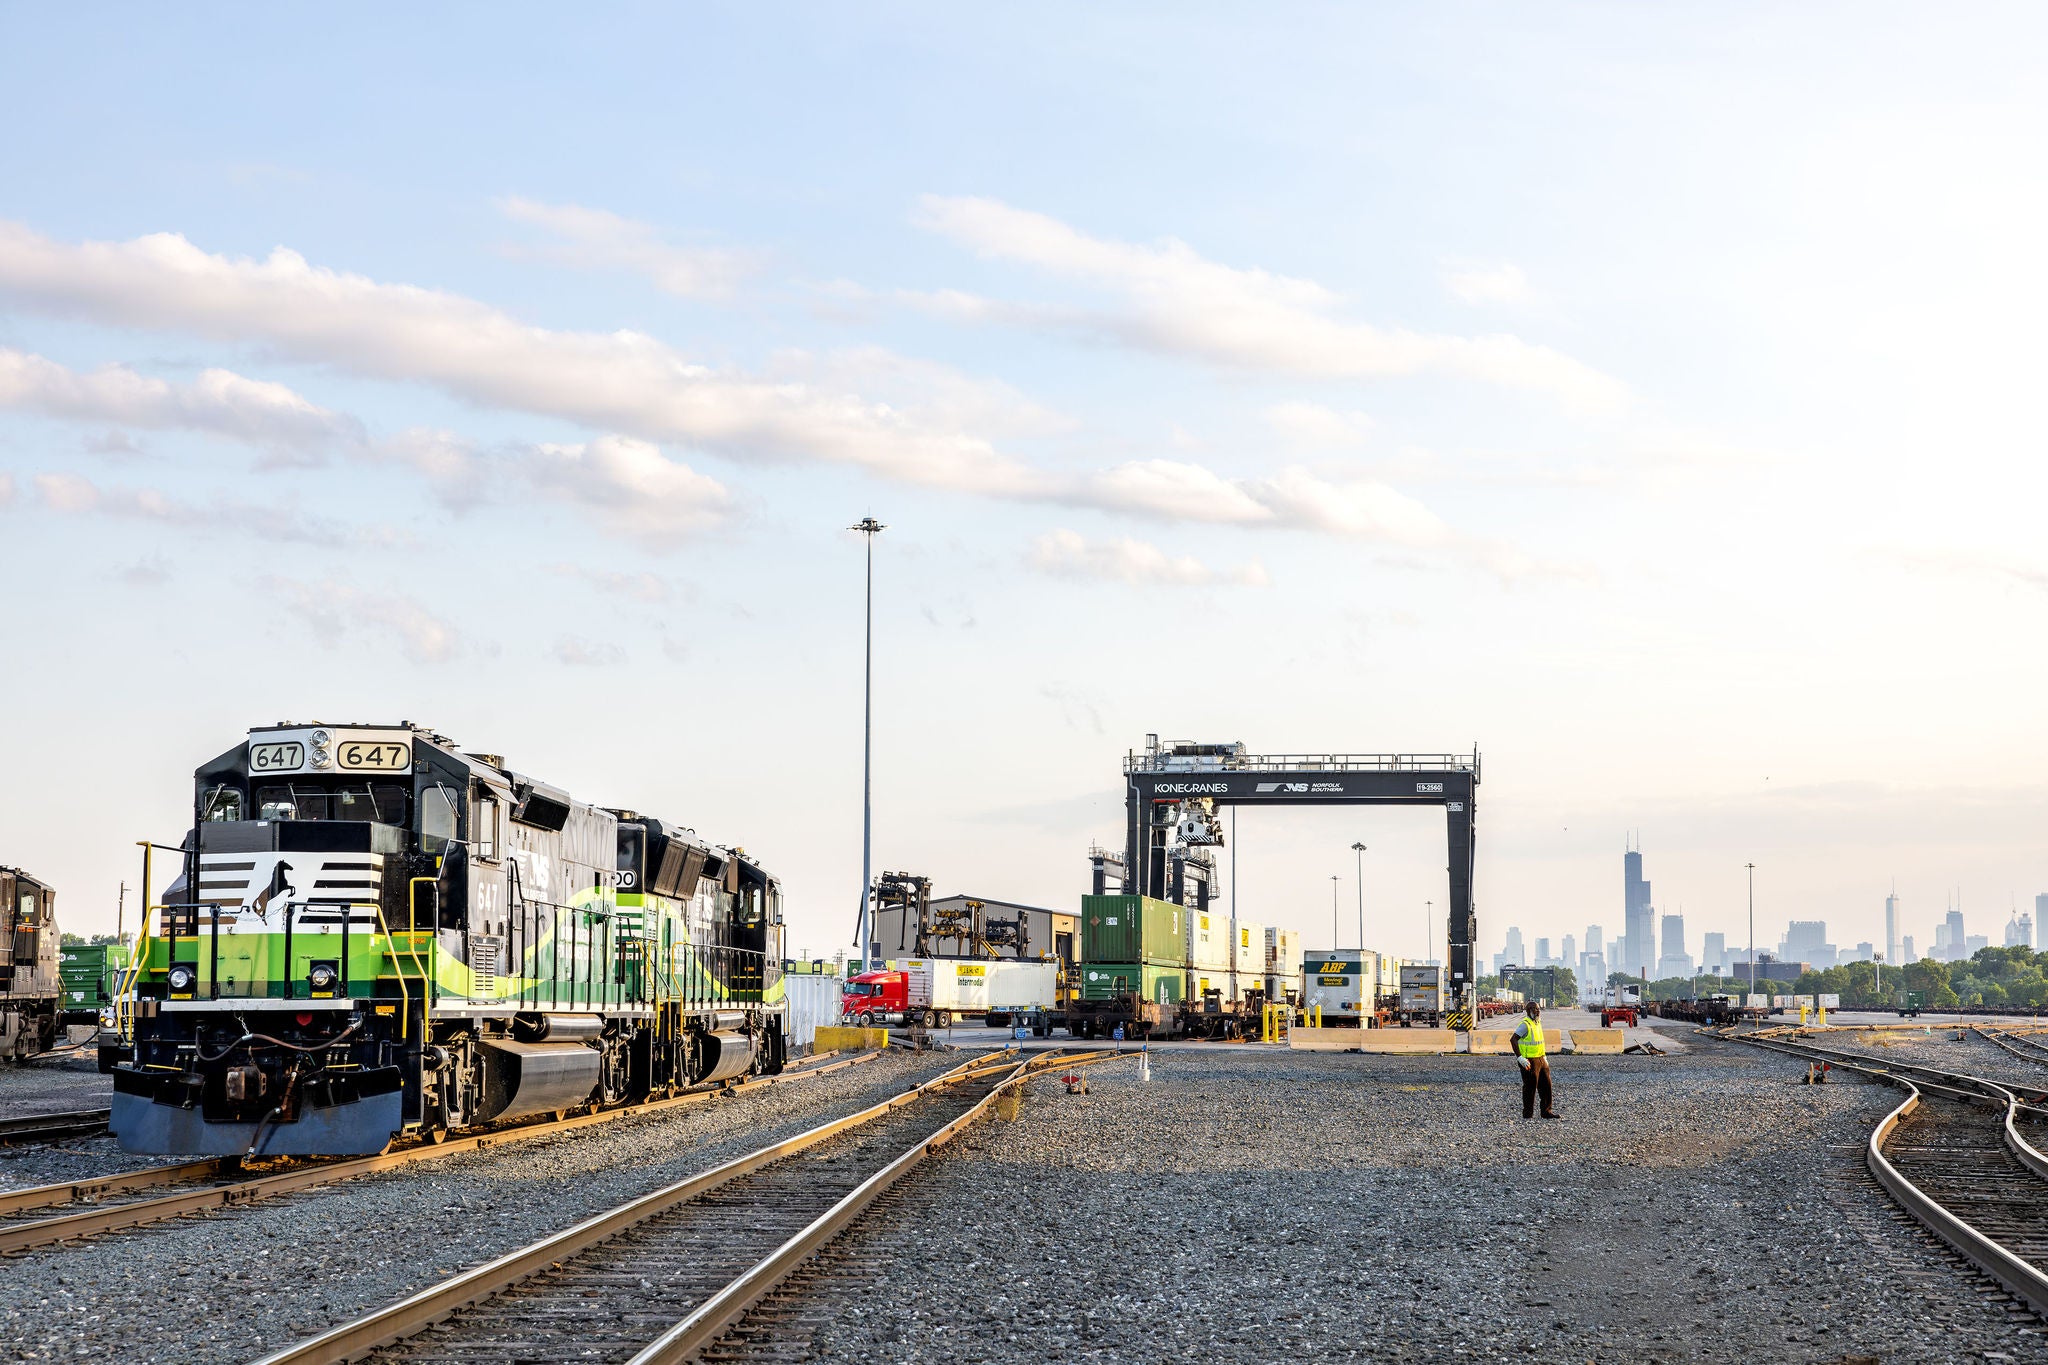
147	573
219	402
1294	498
75	495
638	587
613	381
580	653
631	488
1483	284
337	611
642	394
592	239
1177	302
1311	424
6	489
1065	554
1971	563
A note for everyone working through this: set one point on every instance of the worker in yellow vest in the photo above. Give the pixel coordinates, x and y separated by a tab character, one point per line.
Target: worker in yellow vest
1528	1040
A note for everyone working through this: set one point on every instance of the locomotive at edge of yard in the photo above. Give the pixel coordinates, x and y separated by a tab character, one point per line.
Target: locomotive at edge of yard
376	933
29	989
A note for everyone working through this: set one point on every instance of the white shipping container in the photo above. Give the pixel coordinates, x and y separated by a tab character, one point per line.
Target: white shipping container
978	987
1208	939
1831	1002
1221	980
1250	958
1758	1000
1333	982
1283	953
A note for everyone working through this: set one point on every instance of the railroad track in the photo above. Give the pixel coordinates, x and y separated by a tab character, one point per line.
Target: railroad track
660	1278
1953	1154
2022	1046
222	1182
77	1123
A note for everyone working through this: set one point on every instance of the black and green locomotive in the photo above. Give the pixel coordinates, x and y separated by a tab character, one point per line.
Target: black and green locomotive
375	933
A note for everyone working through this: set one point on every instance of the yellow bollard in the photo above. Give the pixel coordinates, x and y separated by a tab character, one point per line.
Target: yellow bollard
1802	1014
1319	1017
1822	1018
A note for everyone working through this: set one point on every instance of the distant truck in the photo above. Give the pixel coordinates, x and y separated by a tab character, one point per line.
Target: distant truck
1623	1007
934	991
1422	997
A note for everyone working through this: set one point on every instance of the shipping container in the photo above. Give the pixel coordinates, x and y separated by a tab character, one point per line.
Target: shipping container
1283	953
90	975
1337	983
1419	976
1250	958
1139	929
1201	981
1208	942
1154	985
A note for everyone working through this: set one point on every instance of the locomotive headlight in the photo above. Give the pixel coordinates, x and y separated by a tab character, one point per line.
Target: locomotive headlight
183	977
323	978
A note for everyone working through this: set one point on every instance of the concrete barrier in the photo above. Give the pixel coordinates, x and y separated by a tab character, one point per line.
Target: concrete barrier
1305	1039
1498	1041
843	1038
1399	1040
1599	1039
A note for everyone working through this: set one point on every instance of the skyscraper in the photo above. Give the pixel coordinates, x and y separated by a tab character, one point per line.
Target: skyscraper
1542	953
1513	954
1637	917
1593	944
1568	955
1714	954
1891	927
2015	936
1956	937
1906	948
1674	960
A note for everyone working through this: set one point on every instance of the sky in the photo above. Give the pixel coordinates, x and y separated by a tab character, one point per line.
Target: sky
1646	396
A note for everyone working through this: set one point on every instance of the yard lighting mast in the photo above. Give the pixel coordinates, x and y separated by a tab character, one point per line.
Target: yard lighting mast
1752	927
869	529
1359	849
1333	914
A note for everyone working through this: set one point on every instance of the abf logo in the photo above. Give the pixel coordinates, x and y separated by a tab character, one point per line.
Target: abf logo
1343	967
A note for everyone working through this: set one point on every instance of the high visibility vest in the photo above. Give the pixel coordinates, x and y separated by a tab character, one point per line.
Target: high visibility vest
1530	1044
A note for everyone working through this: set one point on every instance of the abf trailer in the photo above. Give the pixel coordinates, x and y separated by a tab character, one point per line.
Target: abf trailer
932	990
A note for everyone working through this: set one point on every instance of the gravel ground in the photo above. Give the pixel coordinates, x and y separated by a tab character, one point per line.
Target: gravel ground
52	1085
1248	1206
237	1284
1938	1046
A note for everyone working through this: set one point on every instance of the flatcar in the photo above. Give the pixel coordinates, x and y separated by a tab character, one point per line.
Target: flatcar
31	996
376	933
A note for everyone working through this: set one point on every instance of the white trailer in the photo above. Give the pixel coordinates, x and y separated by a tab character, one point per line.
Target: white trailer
939	988
1208	938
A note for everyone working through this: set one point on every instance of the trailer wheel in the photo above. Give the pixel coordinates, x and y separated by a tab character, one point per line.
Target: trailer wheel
945	1018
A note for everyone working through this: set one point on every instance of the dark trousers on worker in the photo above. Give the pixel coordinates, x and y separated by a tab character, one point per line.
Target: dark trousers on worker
1535	1081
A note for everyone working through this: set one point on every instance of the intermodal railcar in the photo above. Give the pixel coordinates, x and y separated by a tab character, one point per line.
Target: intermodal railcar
30	993
374	933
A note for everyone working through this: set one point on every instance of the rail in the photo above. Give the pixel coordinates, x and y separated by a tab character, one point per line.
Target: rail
2017	1274
1163	762
104	1218
715	1314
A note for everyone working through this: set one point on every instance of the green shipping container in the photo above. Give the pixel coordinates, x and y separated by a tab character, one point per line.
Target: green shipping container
1155	985
1133	929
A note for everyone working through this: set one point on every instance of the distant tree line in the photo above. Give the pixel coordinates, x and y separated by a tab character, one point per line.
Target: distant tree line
1993	976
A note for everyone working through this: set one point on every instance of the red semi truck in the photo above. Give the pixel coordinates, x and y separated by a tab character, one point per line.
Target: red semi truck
933	991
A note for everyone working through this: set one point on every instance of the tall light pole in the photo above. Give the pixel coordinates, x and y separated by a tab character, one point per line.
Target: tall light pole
1428	918
869	529
1752	928
1333	912
1359	849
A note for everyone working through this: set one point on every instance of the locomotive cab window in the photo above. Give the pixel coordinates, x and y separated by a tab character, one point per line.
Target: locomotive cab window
437	820
382	802
483	828
223	803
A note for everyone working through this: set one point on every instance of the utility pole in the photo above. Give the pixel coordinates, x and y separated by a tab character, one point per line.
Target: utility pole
1359	849
1333	912
869	528
121	915
1752	928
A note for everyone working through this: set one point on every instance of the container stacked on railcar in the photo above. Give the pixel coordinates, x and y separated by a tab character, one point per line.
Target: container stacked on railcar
30	991
374	932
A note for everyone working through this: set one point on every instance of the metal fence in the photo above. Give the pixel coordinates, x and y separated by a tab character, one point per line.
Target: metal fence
813	1000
